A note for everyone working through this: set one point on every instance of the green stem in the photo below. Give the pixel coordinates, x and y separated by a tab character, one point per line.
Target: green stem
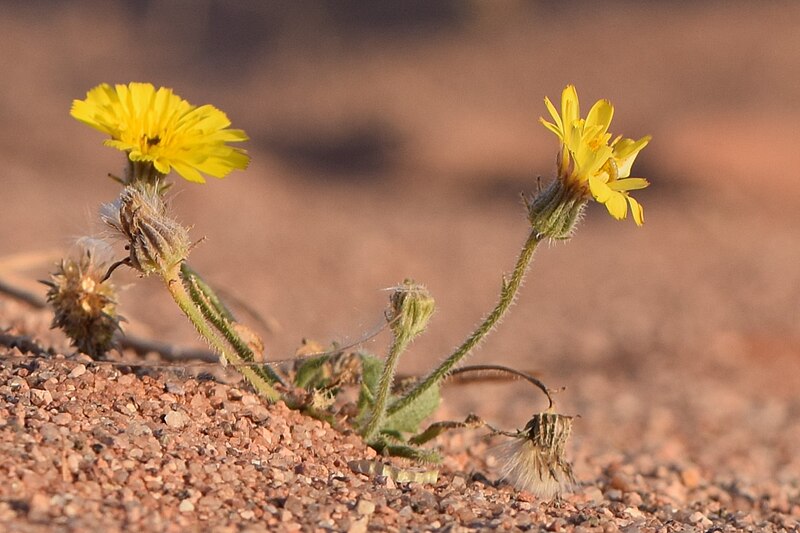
399	344
222	320
194	313
205	288
507	296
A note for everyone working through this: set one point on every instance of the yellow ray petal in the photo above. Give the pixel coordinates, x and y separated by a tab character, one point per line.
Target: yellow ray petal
629	184
617	205
637	211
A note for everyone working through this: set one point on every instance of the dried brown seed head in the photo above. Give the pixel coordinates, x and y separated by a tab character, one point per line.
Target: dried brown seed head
84	305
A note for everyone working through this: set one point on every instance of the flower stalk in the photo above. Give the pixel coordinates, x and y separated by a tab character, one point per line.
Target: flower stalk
218	332
412	307
508	294
246	345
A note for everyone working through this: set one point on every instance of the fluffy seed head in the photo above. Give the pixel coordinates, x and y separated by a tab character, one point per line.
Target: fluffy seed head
535	458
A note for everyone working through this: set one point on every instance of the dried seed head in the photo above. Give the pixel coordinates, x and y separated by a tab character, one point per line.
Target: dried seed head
411	309
84	305
157	243
535	458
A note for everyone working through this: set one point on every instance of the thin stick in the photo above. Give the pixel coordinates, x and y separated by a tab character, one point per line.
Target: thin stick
30	298
500	368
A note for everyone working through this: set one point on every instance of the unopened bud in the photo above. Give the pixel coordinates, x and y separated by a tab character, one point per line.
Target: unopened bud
157	243
411	309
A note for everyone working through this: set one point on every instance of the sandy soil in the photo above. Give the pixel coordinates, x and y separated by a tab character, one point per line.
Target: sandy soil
388	146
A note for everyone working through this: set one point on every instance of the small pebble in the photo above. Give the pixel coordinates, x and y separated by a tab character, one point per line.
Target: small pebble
39	507
186	506
50	432
294	505
174	387
458	483
699	518
78	371
690	477
175	419
365	507
62	419
406	512
359	526
41	397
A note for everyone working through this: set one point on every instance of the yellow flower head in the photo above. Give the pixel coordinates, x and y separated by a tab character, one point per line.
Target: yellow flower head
160	128
589	159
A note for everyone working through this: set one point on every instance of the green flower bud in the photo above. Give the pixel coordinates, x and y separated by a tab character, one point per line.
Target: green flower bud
555	211
411	309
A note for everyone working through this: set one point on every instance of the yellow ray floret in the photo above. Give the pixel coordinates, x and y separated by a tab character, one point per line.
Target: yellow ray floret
590	159
157	126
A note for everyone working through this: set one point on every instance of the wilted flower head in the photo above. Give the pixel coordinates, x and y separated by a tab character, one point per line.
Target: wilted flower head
156	242
84	304
590	164
411	309
158	128
535	458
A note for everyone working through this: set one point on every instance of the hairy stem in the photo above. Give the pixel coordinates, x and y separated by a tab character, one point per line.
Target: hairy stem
205	288
194	312
507	295
399	344
222	320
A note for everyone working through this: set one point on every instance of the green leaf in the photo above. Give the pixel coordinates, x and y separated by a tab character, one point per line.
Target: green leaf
408	419
311	375
371	368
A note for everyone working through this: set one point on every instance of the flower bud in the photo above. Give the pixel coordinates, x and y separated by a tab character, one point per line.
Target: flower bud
555	211
156	242
84	305
411	309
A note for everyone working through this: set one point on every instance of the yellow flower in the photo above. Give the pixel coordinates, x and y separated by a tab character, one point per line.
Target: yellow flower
588	160
160	128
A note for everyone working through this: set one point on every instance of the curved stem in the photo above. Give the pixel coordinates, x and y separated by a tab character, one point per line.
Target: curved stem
217	315
507	295
399	343
193	312
500	368
205	288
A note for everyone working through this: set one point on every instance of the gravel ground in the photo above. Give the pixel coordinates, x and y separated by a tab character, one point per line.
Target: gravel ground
88	446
